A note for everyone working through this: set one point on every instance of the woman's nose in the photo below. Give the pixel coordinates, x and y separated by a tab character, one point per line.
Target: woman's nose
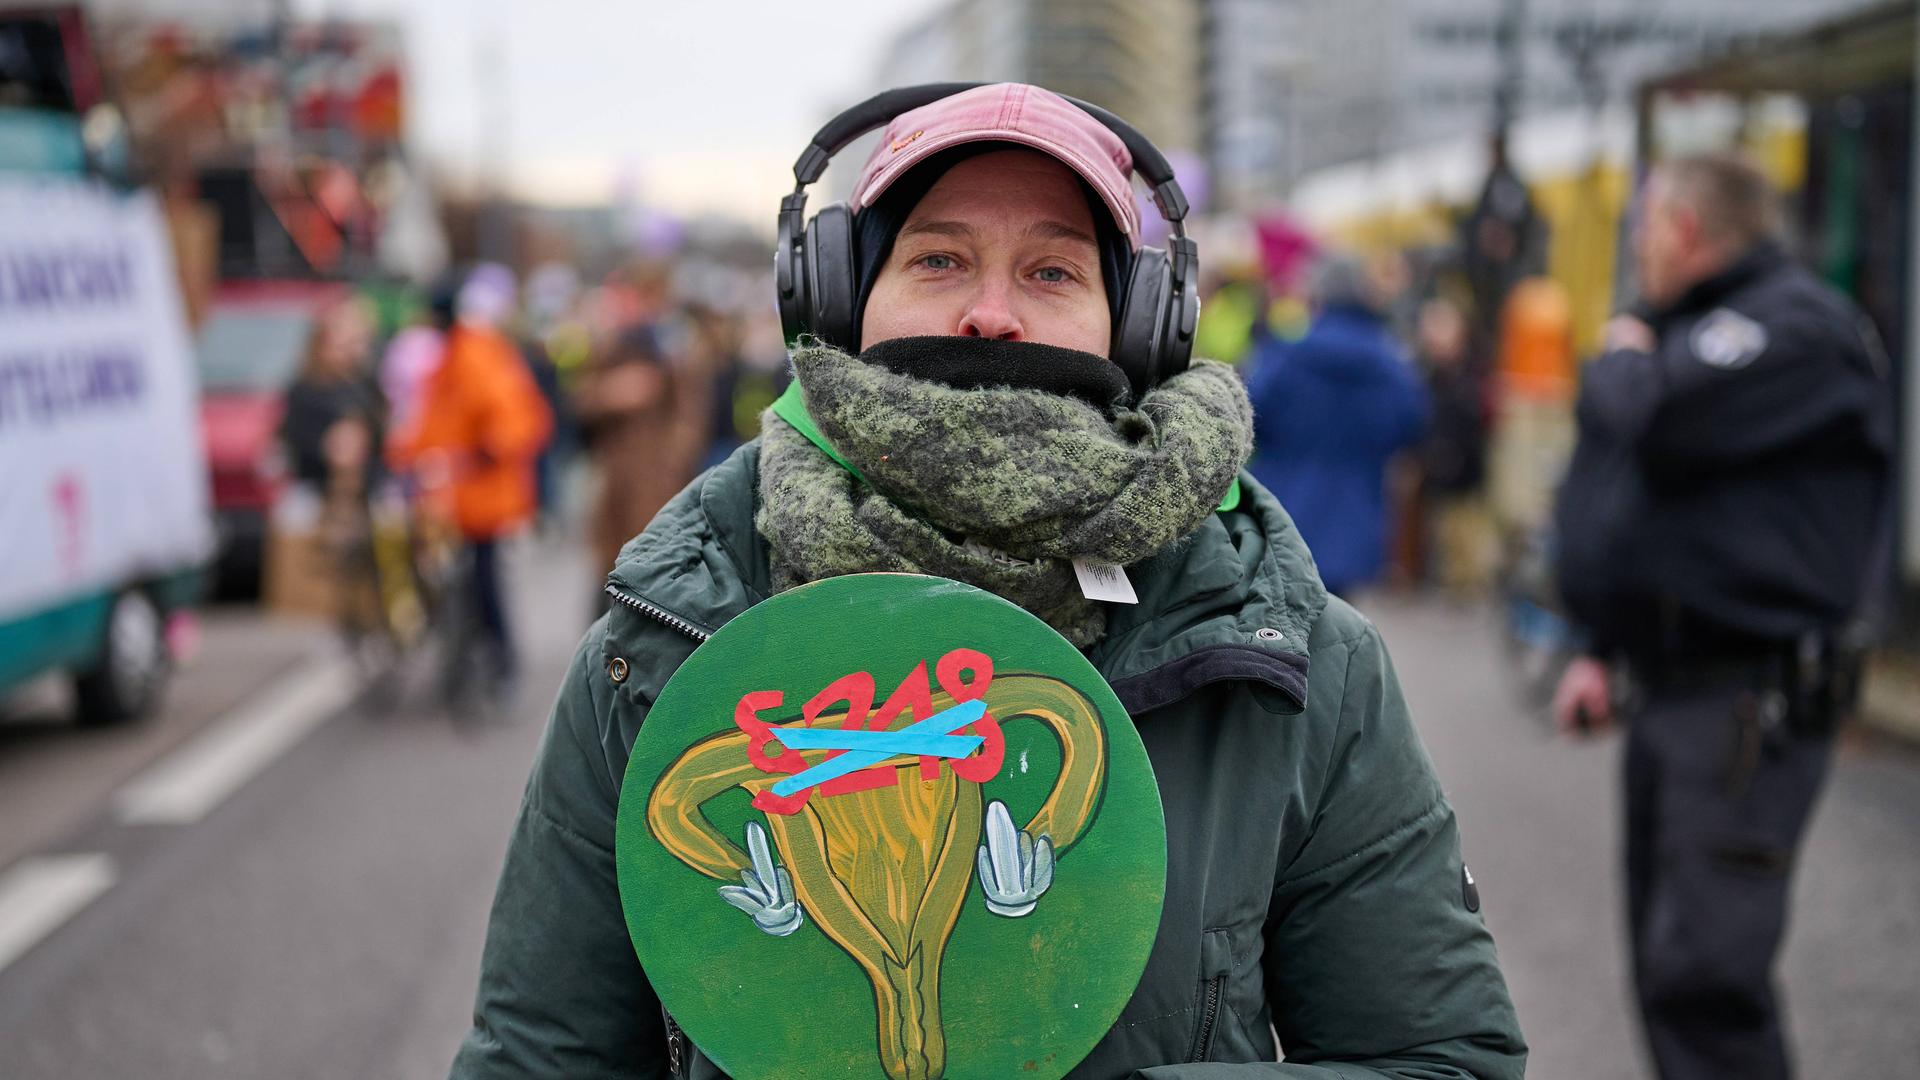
990	314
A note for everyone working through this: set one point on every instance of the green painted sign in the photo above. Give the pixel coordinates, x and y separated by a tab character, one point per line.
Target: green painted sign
891	826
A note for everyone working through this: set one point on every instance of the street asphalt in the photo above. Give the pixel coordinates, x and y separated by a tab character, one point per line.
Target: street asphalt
325	920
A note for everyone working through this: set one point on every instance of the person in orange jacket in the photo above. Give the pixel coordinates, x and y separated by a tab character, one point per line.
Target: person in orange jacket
475	437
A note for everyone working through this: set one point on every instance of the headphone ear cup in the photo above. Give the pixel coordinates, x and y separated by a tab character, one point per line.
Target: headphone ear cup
790	277
830	276
1140	334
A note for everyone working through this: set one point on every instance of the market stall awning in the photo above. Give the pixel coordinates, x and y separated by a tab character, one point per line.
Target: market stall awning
1866	49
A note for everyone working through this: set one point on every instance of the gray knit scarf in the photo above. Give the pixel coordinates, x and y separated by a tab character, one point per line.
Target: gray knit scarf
999	487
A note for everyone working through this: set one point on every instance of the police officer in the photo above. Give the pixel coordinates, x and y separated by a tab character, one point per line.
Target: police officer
1723	501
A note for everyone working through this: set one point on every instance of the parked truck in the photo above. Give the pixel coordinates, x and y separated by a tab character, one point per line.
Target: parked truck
105	526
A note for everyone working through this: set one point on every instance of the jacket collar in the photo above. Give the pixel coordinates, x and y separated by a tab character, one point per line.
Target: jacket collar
700	560
1758	262
1235	601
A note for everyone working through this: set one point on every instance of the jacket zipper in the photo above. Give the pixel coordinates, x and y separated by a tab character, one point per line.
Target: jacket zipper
658	614
674	1039
1203	1042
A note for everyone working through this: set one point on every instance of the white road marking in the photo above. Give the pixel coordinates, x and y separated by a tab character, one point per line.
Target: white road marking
42	891
185	786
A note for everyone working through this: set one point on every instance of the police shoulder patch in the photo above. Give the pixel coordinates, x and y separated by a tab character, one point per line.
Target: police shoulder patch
1727	339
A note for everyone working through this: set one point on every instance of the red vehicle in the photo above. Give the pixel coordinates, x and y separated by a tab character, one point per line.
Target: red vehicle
250	349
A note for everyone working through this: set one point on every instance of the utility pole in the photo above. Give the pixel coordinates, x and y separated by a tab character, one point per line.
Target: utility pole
1500	238
492	93
1510	46
1910	497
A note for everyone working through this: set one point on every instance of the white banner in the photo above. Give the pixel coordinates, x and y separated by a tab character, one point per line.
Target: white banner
102	476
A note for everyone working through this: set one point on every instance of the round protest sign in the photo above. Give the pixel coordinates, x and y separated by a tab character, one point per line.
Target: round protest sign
890	826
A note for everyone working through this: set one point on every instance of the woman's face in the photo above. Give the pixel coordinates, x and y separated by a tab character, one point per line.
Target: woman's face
1002	247
343	339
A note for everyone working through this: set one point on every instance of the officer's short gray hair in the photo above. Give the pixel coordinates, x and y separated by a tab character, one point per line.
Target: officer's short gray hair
1733	199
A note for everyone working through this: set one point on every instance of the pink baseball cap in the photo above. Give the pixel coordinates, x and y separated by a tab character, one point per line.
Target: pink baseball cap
1007	112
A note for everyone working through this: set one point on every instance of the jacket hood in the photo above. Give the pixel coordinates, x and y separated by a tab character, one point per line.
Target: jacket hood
1237	600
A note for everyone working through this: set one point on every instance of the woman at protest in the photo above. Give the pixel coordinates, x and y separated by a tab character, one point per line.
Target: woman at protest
1315	886
334	412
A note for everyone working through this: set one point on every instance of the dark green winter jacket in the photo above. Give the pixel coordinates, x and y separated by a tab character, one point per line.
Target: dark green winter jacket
1314	881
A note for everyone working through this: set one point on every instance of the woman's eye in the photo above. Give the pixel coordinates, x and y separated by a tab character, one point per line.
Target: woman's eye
937	262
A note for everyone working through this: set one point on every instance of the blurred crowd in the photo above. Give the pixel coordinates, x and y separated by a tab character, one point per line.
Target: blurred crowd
1414	431
1415	440
433	428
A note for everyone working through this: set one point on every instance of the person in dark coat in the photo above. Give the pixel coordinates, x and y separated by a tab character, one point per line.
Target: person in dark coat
1329	411
1717	533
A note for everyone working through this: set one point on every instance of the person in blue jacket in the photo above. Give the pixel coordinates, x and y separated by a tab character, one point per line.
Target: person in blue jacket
1329	411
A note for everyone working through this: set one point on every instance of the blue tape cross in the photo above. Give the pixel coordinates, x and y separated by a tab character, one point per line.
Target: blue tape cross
889	742
932	737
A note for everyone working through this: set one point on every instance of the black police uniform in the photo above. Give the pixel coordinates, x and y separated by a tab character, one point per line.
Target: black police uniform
1723	502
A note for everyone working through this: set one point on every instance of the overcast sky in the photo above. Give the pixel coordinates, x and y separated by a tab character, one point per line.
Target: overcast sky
703	103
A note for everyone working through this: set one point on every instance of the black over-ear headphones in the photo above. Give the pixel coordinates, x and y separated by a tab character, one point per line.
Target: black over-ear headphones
817	278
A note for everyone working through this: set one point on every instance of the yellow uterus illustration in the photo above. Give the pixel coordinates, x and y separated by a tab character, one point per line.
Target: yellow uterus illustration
883	865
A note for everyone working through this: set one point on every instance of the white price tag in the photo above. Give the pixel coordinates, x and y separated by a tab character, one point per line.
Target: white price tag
1104	581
